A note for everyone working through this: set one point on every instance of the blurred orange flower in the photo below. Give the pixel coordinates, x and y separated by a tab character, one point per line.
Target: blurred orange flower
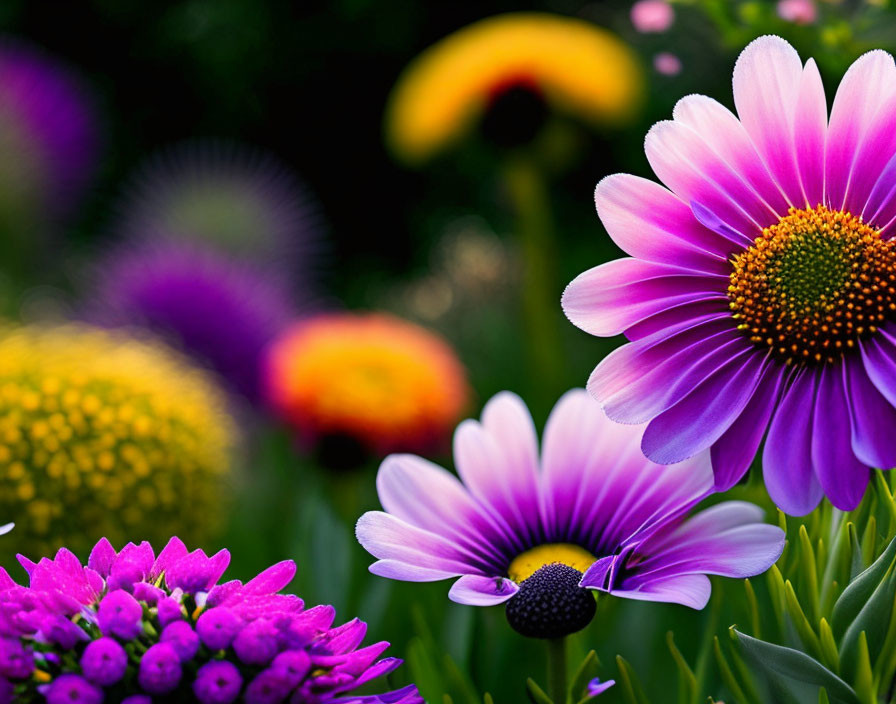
386	383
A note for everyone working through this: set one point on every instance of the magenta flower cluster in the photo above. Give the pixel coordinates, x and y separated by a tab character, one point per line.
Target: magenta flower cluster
130	626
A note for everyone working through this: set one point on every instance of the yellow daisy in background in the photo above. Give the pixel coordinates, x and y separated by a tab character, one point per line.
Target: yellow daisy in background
521	62
354	384
105	436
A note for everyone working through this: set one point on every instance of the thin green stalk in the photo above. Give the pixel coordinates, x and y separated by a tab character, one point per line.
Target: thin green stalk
558	688
541	292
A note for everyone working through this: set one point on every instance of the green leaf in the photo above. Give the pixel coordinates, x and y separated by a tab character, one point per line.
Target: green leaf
856	552
536	693
487	699
631	688
869	540
860	589
870	623
754	609
727	675
586	672
809	574
781	664
829	654
864	678
885	667
823	696
886	499
801	623
687	683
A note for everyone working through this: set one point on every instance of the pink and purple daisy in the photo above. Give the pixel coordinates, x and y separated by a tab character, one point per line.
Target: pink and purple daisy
536	532
131	625
759	298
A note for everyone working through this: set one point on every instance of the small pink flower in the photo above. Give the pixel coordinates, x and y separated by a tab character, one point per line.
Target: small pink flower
667	64
649	16
798	11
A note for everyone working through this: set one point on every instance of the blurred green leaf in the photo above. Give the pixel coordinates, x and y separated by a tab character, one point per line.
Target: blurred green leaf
586	672
782	664
728	675
687	683
631	687
536	693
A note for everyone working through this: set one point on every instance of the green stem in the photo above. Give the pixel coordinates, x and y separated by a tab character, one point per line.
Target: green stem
541	292
557	685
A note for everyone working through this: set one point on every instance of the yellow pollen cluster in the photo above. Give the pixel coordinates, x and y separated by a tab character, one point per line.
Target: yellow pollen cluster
529	562
813	284
105	436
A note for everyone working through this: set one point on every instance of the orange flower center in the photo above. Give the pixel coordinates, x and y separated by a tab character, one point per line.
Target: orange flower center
813	284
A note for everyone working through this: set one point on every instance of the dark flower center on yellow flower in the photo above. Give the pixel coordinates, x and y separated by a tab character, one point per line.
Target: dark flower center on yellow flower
515	113
814	284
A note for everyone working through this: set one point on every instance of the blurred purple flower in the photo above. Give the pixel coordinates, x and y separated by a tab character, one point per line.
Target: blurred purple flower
590	513
49	137
236	198
221	311
304	657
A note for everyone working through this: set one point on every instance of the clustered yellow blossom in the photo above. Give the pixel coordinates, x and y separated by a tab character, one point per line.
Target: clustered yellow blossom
102	435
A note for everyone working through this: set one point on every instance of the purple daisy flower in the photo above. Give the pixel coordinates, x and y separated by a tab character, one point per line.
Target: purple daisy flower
264	647
49	137
222	311
536	533
238	199
760	296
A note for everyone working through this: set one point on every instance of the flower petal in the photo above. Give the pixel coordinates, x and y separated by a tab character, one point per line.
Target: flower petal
638	381
502	480
736	448
649	222
476	590
767	78
425	495
700	418
842	476
872	419
683	161
691	590
867	86
726	136
786	460
389	538
610	298
810	133
879	356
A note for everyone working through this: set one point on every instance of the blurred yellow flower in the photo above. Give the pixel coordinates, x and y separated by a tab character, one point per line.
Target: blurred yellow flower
386	383
577	68
102	435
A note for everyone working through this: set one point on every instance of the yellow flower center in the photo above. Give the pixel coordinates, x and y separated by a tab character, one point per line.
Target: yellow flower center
813	284
528	563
